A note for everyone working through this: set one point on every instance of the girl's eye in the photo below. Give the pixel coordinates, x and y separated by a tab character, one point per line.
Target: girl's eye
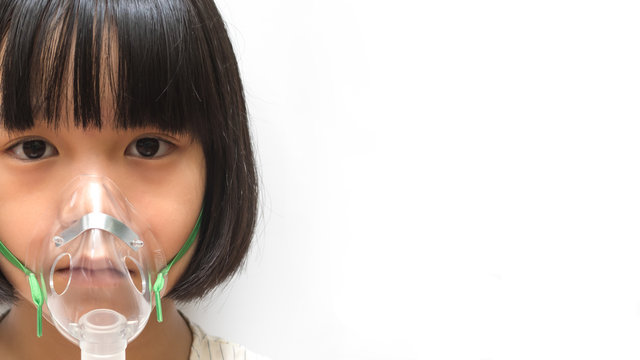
35	149
149	147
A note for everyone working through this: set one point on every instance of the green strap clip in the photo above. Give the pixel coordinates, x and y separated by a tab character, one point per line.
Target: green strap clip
37	294
158	285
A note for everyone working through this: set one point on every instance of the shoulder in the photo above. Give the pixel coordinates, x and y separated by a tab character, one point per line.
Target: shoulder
206	347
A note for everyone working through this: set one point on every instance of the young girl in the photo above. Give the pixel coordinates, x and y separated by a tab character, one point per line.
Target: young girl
143	98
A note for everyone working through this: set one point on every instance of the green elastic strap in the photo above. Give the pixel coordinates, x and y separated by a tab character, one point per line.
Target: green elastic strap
36	291
159	284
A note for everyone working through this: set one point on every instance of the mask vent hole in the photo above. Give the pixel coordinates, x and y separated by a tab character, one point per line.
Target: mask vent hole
61	274
135	274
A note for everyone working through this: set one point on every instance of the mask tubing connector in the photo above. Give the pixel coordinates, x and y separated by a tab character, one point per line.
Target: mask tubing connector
104	335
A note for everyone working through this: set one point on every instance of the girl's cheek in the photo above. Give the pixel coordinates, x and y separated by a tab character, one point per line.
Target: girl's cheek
171	206
19	232
24	217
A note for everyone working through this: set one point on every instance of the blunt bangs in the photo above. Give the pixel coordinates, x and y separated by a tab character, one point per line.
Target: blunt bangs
167	64
153	60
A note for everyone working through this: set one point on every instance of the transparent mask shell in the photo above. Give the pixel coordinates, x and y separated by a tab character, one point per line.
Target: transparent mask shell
99	255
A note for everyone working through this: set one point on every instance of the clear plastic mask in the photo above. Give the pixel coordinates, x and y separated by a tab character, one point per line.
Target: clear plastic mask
97	267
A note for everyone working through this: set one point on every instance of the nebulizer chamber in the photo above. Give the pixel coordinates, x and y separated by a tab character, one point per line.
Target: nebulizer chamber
96	268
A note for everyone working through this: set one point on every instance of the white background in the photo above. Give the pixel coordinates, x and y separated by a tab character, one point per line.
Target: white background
440	180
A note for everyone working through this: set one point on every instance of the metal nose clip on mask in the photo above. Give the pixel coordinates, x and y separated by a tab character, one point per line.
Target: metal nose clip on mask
96	269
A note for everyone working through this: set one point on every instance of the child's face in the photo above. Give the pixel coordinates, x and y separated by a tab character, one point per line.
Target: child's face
162	175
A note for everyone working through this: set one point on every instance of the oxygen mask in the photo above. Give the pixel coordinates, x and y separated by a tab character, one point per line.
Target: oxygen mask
96	269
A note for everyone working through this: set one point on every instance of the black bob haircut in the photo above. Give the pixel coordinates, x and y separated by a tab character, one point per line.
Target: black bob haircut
167	64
